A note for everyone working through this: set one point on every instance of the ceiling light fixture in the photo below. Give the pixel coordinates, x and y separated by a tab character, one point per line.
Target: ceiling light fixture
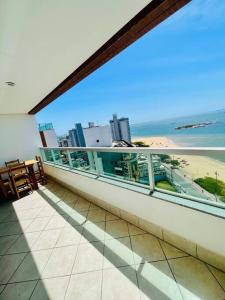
10	83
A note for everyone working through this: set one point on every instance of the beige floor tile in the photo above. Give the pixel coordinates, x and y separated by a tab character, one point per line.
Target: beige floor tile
24	214
116	229
93	232
120	284
38	224
31	266
111	217
156	281
2	288
170	251
146	247
11	228
46	212
96	215
134	230
220	276
24	242
60	262
6	242
118	253
85	286
4	215
18	291
51	289
82	205
47	239
195	280
89	257
56	222
70	236
8	265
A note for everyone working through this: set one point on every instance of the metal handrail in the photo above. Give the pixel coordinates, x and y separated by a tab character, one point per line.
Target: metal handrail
148	151
202	151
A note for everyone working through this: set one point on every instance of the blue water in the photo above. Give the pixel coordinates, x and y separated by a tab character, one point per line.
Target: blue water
210	136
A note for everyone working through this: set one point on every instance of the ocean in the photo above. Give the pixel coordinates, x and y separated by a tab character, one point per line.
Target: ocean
212	135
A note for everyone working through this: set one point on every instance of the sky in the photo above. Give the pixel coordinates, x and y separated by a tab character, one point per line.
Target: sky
176	69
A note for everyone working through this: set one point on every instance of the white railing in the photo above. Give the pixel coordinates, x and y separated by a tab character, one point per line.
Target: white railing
142	166
202	151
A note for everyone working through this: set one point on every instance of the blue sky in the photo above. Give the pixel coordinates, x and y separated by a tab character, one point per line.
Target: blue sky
177	69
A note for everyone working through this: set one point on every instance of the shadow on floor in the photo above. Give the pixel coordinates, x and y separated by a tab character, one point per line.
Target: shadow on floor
54	233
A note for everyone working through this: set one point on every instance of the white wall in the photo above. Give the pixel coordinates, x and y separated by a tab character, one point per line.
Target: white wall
101	133
19	137
51	138
200	228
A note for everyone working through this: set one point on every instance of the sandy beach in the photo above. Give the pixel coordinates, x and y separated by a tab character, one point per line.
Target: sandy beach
193	166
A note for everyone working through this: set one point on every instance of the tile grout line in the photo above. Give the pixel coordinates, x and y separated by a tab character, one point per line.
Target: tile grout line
171	270
11	245
103	252
131	246
71	270
207	266
27	254
34	289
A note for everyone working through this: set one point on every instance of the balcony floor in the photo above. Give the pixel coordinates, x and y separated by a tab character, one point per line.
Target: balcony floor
57	245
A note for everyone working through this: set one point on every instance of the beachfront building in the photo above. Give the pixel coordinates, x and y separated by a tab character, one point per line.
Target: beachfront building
120	129
76	136
87	234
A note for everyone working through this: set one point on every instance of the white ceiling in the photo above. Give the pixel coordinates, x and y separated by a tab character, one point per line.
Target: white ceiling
44	41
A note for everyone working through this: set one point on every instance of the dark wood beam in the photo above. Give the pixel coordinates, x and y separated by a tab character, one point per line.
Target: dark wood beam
149	17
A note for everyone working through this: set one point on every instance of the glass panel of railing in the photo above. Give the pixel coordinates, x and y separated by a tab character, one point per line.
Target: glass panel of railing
82	160
61	157
195	176
47	155
125	166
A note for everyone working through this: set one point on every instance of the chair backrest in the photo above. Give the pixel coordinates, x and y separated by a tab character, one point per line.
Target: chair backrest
12	163
39	163
19	168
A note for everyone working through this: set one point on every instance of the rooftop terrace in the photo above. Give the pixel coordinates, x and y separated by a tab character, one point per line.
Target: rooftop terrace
55	244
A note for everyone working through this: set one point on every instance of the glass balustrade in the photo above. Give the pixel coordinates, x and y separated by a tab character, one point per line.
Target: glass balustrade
196	177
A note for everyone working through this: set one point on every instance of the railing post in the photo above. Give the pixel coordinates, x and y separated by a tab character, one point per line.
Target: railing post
96	162
43	156
150	172
69	158
53	155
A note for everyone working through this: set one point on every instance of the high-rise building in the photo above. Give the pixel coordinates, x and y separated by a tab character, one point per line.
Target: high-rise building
120	129
80	135
76	136
73	137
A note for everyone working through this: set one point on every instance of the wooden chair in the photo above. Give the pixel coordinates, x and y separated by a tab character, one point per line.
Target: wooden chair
20	179
6	189
40	174
12	163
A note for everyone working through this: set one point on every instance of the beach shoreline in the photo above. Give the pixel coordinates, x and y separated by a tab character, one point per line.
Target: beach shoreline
192	166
